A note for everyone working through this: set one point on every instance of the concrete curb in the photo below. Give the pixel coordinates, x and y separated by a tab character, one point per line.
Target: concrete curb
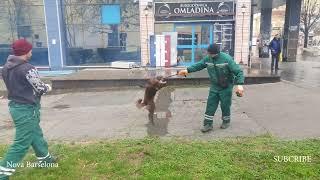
111	83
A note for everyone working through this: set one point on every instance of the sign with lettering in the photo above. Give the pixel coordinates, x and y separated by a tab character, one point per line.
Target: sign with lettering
293	28
194	11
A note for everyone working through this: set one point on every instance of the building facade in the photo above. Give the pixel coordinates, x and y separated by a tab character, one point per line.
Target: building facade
197	24
93	33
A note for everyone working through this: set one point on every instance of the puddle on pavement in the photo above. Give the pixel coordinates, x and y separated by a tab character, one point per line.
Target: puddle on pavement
61	106
162	115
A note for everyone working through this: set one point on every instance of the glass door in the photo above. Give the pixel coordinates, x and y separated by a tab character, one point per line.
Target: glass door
186	40
203	34
223	35
193	41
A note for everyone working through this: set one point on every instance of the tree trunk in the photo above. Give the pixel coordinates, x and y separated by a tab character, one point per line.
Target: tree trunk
306	38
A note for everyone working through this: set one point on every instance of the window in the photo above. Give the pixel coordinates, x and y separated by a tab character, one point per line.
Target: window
92	39
159	28
23	19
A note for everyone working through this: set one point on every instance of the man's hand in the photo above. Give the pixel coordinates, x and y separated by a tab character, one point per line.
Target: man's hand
183	73
239	91
49	87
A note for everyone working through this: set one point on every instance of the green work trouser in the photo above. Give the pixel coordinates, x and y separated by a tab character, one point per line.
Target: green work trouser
26	119
216	95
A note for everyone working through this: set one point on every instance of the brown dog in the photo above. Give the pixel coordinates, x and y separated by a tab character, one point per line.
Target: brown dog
152	86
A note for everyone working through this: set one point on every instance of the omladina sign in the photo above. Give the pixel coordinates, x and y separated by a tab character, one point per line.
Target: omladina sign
194	11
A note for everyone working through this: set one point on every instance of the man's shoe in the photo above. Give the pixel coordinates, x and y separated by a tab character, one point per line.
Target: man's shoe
225	125
50	159
206	128
54	159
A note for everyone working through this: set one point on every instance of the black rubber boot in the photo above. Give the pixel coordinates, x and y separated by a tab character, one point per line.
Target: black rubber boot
225	124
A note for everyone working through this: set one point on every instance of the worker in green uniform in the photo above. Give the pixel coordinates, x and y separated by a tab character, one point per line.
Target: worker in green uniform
224	73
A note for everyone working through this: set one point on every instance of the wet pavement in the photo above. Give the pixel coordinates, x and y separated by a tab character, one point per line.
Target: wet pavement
286	109
305	72
281	109
2	88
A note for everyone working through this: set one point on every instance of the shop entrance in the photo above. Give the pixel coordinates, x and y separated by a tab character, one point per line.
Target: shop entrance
194	39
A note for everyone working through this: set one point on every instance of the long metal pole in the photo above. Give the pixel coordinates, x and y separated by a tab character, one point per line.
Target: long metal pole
148	60
241	61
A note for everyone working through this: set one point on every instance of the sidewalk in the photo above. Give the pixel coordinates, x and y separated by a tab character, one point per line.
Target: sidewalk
2	87
285	109
305	72
281	109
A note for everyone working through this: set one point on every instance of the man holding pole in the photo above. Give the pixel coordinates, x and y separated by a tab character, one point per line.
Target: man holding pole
224	73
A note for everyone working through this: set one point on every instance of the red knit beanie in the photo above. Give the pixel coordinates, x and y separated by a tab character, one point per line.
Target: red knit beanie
21	47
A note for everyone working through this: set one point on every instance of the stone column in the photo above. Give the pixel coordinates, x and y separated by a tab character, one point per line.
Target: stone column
265	26
242	31
146	29
291	30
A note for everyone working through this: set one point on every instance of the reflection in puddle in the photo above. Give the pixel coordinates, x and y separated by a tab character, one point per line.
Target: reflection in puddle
159	126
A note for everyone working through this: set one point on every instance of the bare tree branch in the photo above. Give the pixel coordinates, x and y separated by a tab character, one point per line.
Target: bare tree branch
310	16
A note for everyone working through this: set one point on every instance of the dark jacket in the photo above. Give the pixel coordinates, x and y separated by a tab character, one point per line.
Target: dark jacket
275	46
22	81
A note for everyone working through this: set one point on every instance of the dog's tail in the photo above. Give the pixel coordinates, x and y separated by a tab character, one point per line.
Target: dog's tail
139	104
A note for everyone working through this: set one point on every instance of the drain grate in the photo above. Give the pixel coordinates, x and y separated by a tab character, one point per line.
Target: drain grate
61	106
